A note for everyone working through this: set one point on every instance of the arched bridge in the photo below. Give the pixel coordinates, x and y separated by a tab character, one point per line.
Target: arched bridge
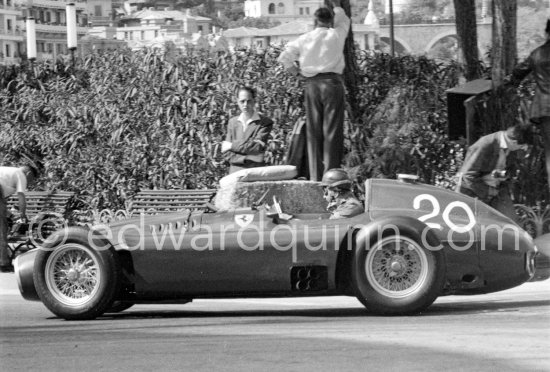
418	39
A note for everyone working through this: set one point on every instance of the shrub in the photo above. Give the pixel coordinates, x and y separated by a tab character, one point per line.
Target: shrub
123	121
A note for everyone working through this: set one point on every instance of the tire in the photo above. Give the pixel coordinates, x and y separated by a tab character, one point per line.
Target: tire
396	275
119	306
74	280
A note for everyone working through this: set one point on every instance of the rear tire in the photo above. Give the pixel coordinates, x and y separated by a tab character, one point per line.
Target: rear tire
396	275
74	280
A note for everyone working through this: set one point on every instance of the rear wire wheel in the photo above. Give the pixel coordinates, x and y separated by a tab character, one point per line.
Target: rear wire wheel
397	275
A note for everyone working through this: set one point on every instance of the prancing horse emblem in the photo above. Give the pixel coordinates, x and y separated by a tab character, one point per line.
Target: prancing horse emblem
243	220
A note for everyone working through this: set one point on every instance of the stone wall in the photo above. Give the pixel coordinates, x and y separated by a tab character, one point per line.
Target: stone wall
295	196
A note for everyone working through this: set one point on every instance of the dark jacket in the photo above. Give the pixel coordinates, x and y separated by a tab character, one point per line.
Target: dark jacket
247	149
481	159
538	63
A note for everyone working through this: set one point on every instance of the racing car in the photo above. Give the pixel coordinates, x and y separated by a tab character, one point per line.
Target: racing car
413	243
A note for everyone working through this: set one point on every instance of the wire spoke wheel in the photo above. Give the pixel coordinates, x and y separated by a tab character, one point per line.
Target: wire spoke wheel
397	273
396	266
73	274
77	276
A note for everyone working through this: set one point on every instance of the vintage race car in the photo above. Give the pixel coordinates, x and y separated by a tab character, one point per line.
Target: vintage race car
413	243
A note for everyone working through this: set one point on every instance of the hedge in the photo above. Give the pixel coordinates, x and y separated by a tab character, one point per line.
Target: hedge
122	121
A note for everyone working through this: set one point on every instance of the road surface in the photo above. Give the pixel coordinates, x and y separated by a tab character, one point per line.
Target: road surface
505	331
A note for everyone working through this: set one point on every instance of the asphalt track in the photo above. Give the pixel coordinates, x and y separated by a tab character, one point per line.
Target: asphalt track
505	331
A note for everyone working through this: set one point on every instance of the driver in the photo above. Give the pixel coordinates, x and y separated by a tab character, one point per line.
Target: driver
342	203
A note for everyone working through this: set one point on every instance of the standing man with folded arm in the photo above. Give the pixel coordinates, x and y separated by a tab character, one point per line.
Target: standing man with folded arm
247	134
319	57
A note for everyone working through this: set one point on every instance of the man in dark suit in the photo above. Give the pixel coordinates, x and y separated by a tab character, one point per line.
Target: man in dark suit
247	134
483	174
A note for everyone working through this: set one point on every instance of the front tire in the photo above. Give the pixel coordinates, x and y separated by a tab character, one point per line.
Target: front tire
396	275
76	281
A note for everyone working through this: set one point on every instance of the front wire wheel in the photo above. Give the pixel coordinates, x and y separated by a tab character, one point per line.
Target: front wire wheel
73	275
75	280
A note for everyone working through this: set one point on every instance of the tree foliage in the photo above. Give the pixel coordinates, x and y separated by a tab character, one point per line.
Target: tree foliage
124	121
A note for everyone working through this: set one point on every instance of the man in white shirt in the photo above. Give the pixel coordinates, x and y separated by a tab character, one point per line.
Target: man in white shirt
320	57
247	134
13	180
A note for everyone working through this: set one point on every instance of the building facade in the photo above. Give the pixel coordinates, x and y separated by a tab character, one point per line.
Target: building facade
147	26
281	10
51	27
11	34
100	12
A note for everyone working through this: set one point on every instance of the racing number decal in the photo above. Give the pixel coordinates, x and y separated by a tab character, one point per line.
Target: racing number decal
435	211
446	213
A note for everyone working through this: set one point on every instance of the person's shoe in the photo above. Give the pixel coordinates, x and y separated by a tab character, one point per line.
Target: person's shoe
6	268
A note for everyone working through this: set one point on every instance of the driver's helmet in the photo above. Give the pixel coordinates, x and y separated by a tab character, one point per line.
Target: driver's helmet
336	178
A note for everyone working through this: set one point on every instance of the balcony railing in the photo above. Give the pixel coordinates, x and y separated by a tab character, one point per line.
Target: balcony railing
10	60
56	4
11	9
44	55
11	32
58	28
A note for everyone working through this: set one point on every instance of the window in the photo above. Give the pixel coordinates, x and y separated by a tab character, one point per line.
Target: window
125	35
156	33
142	37
97	11
9	24
301	11
199	28
8	50
271	8
307	11
281	8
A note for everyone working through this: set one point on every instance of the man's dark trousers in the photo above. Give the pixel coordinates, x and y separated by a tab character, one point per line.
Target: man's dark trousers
325	105
4	254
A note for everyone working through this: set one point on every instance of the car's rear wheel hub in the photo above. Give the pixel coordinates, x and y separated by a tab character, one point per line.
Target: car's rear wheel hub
396	266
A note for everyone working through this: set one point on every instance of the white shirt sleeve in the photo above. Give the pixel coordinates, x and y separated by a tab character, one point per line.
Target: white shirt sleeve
341	22
290	54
